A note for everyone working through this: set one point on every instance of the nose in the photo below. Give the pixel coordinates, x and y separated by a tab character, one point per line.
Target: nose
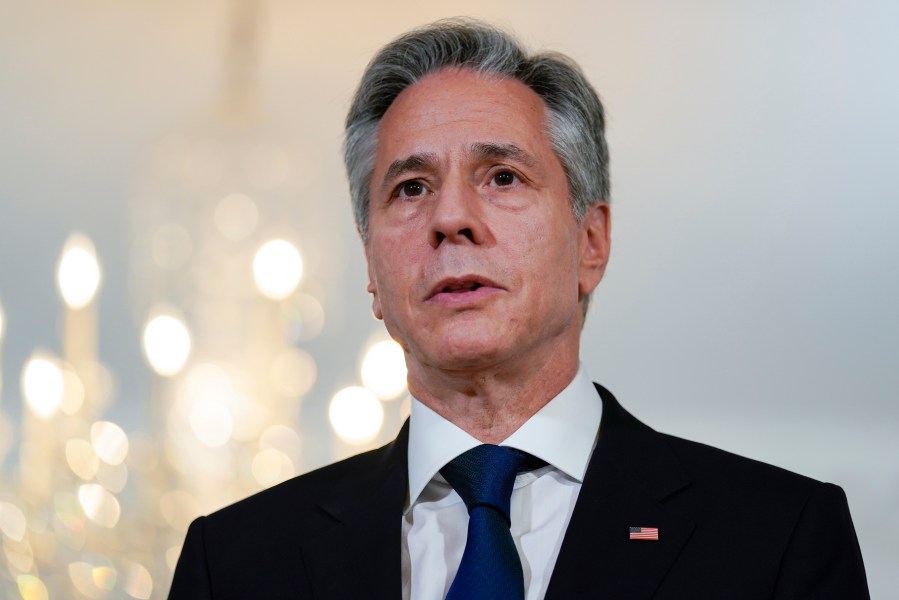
457	217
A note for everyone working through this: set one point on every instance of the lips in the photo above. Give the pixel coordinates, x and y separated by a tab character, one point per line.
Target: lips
457	289
460	286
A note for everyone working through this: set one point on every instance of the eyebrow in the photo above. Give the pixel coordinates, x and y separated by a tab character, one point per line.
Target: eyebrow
496	150
415	162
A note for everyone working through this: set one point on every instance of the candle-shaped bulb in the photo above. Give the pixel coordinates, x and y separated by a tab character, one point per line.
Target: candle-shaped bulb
166	342
78	274
43	384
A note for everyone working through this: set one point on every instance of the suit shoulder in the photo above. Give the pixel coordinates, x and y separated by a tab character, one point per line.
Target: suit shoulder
258	543
727	481
704	460
705	466
794	532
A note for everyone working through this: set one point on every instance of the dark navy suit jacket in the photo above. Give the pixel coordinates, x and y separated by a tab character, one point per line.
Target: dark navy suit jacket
729	528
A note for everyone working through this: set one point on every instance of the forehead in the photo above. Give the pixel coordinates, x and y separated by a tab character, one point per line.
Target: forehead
447	111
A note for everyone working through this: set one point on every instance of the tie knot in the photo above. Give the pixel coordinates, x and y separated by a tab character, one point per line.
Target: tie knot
485	475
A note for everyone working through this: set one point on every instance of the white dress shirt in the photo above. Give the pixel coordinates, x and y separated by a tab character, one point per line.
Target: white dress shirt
435	520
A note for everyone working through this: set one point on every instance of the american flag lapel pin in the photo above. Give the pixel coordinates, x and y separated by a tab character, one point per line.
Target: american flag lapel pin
643	533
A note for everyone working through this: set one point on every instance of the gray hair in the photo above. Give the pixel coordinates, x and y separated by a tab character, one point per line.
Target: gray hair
575	120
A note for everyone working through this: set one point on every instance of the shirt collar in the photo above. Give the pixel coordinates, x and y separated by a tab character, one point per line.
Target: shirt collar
562	433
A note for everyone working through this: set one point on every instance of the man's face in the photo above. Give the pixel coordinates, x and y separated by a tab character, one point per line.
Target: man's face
474	256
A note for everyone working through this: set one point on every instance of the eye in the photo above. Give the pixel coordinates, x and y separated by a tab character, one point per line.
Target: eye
411	189
504	178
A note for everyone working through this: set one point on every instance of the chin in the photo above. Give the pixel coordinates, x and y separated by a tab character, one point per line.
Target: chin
468	355
463	344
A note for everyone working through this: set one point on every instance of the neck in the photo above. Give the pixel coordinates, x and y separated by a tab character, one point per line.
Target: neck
491	403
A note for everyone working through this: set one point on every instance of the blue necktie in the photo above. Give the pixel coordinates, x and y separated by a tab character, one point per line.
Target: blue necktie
490	567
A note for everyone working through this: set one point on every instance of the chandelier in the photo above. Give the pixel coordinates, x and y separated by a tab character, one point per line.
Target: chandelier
235	277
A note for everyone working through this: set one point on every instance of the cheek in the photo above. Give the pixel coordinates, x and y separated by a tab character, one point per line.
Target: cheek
558	259
393	281
552	247
385	282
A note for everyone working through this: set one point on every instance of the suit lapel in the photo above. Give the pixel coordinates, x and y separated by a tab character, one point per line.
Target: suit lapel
360	555
631	473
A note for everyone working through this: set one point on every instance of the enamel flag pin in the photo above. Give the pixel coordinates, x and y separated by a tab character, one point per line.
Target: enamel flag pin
644	533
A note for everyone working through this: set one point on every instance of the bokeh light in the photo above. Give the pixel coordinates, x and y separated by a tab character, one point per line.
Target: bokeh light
73	392
207	398
384	369
211	422
138	582
104	577
82	459
12	521
109	442
31	588
277	269
236	216
93	580
99	504
166	344
43	384
271	466
78	273
356	415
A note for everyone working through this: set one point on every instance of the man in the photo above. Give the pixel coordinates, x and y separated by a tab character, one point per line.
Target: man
479	177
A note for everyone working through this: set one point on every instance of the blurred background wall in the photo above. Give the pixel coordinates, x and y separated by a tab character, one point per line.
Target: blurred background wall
750	302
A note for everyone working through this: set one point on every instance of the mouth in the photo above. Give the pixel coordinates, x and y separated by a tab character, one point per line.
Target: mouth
457	286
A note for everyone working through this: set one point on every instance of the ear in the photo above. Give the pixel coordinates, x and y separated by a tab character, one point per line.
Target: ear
372	289
596	242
